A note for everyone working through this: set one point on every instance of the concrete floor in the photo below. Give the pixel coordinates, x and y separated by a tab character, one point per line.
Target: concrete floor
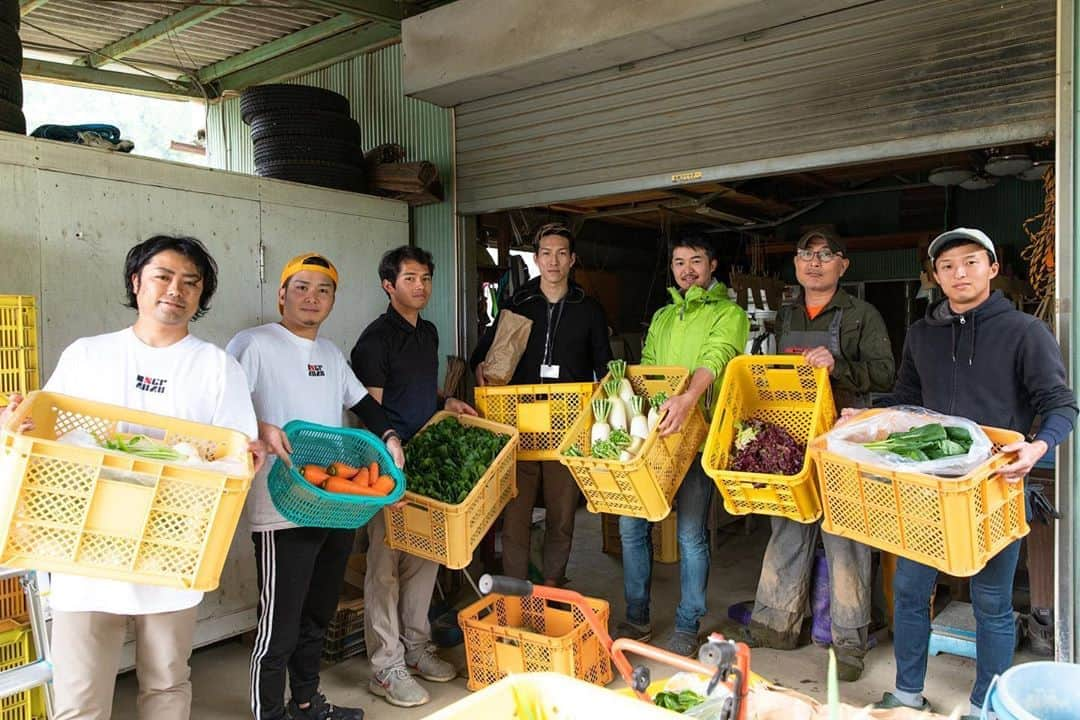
220	673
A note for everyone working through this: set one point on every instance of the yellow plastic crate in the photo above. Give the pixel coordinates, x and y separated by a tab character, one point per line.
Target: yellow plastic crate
542	413
953	524
18	346
446	533
12	604
645	486
106	514
550	696
507	634
16	651
784	390
665	538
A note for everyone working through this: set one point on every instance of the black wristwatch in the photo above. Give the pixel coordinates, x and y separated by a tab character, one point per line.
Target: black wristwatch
391	433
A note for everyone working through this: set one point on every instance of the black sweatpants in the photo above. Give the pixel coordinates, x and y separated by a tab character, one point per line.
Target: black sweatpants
300	573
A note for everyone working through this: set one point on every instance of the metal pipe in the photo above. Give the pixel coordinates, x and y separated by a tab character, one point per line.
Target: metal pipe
771	224
1068	327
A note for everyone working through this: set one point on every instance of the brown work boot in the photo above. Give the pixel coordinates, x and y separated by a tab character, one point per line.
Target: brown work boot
849	665
767	637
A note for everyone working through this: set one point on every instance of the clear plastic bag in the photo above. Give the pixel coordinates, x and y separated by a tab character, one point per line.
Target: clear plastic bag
847	440
714	705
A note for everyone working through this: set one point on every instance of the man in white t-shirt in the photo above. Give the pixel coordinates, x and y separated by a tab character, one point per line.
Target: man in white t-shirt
293	374
157	366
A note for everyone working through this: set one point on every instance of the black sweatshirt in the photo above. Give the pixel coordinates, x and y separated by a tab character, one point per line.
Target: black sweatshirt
993	365
579	336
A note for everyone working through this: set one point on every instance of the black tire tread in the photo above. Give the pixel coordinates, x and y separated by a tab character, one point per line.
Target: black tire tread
11	88
340	177
299	148
11	50
12	118
262	99
310	123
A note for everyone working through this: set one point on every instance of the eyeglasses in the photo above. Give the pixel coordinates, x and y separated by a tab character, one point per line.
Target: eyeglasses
824	256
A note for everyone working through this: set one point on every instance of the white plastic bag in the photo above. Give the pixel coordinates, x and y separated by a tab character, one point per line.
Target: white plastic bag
847	440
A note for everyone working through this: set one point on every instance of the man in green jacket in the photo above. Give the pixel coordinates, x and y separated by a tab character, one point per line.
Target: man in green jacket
701	330
833	330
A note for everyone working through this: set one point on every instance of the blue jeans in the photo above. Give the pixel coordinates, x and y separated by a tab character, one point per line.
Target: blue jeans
692	505
995	629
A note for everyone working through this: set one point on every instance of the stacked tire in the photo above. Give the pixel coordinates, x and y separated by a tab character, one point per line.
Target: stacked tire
11	58
304	134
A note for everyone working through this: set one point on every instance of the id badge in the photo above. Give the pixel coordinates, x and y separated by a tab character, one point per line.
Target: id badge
549	372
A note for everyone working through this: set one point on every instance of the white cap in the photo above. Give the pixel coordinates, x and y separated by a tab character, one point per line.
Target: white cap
975	236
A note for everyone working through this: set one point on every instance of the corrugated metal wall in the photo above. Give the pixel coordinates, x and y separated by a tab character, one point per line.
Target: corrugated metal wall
372	82
888	78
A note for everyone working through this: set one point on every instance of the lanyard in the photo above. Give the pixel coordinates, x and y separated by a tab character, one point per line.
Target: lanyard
550	338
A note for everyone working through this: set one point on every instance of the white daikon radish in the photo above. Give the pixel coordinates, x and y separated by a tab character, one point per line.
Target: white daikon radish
654	409
626	456
617	368
600	429
639	424
617	418
635	446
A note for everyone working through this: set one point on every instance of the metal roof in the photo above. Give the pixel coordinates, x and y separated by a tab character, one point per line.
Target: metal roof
201	49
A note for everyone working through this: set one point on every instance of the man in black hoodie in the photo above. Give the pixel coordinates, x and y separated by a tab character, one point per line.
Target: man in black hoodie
975	356
568	343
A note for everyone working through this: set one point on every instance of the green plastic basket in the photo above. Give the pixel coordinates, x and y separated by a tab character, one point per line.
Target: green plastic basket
302	503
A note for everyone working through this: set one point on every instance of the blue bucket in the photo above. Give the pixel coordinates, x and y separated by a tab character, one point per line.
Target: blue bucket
1035	691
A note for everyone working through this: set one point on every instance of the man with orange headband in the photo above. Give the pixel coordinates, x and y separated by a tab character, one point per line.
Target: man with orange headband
293	374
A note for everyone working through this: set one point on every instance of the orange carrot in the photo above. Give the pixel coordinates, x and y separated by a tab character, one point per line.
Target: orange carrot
384	485
340	469
373	472
361	477
347	487
314	475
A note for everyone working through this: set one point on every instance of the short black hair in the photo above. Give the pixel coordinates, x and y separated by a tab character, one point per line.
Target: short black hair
554	229
957	242
390	264
699	242
189	247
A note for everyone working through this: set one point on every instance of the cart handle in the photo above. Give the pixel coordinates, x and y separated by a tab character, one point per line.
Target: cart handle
622	646
503	585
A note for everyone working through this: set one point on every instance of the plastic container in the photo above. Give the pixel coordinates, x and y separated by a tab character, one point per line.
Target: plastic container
106	514
18	346
550	696
542	414
302	503
1035	691
665	538
953	524
15	651
646	485
448	534
784	390
345	632
507	634
13	611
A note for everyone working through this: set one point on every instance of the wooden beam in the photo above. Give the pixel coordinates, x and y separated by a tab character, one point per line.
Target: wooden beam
387	12
118	81
344	46
28	6
156	32
277	47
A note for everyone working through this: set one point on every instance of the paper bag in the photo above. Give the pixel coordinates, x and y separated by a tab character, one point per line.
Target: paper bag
511	339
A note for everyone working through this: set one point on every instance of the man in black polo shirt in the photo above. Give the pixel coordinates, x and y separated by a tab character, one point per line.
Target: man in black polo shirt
397	360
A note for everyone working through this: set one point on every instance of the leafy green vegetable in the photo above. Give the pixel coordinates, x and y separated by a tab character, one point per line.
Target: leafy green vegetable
926	442
574	451
445	461
658	399
605	450
678	702
620	438
144	447
617	368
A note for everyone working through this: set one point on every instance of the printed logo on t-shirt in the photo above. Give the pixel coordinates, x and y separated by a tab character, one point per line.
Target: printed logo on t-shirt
315	371
151	385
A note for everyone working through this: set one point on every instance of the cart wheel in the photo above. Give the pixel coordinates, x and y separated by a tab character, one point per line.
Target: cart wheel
717	654
642	678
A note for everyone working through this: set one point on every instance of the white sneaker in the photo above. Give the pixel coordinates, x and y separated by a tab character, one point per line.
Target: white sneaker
397	687
431	667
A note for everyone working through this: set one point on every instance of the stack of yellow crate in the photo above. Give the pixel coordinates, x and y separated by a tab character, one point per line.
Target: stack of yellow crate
16	650
18	346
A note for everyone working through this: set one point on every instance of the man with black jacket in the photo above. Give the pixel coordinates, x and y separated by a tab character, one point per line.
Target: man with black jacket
975	356
568	342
